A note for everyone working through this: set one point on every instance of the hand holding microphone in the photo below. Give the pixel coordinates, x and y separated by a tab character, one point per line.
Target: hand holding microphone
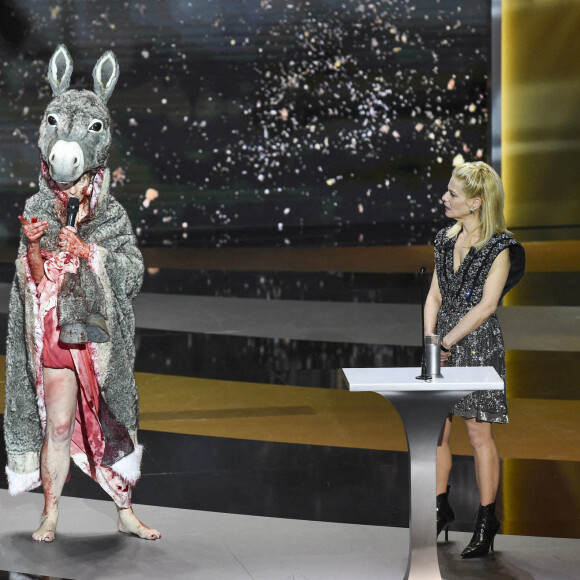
69	240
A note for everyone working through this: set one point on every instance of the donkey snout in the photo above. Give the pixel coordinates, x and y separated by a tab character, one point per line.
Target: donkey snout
66	161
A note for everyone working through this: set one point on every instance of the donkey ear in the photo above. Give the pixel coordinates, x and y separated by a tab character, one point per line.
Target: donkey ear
105	75
59	70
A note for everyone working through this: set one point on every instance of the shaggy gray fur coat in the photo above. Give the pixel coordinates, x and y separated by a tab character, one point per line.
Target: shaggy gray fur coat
119	267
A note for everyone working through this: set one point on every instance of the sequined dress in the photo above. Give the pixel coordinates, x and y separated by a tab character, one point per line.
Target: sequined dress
461	291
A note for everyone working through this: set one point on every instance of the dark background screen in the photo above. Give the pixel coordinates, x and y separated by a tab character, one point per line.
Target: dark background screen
261	122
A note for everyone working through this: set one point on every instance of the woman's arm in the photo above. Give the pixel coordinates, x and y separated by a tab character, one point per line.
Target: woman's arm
432	306
492	290
34	230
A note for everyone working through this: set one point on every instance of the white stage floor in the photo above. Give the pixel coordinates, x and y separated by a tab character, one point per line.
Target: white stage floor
218	546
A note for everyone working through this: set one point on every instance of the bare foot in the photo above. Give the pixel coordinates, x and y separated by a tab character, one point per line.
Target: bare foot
128	523
47	530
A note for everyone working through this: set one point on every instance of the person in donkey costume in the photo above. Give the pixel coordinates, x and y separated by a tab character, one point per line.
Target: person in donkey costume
70	388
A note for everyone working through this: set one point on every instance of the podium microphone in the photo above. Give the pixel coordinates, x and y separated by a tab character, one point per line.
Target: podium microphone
72	209
423	376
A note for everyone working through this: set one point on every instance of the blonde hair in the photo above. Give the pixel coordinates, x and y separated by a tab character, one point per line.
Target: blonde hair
478	179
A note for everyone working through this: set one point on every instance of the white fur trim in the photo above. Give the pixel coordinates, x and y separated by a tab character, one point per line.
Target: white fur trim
129	468
21	482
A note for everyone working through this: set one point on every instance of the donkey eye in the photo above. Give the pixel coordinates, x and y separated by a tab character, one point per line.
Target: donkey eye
52	120
96	126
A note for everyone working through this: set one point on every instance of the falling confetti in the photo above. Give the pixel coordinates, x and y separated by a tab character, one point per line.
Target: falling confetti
343	117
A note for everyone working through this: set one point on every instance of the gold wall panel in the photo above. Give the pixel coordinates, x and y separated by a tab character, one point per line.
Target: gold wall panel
541	112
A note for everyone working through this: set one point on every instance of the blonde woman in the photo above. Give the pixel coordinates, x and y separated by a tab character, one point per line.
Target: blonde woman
477	262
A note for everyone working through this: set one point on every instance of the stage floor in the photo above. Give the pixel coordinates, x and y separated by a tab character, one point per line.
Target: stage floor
218	546
260	464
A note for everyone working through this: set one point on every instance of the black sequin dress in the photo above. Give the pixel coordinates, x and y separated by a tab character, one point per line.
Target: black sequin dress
460	292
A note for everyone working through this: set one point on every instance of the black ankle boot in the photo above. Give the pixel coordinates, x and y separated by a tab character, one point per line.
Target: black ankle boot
445	514
486	528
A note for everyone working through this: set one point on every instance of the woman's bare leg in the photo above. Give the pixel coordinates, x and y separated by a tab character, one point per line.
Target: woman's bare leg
486	459
444	458
60	396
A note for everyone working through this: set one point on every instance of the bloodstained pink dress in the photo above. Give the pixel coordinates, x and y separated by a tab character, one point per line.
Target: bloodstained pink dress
88	441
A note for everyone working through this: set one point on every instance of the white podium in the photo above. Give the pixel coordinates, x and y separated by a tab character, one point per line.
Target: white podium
423	407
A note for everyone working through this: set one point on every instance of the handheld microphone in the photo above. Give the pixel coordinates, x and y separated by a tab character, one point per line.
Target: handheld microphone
72	209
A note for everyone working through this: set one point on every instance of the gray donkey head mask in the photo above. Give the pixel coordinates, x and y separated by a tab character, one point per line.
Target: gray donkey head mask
75	134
